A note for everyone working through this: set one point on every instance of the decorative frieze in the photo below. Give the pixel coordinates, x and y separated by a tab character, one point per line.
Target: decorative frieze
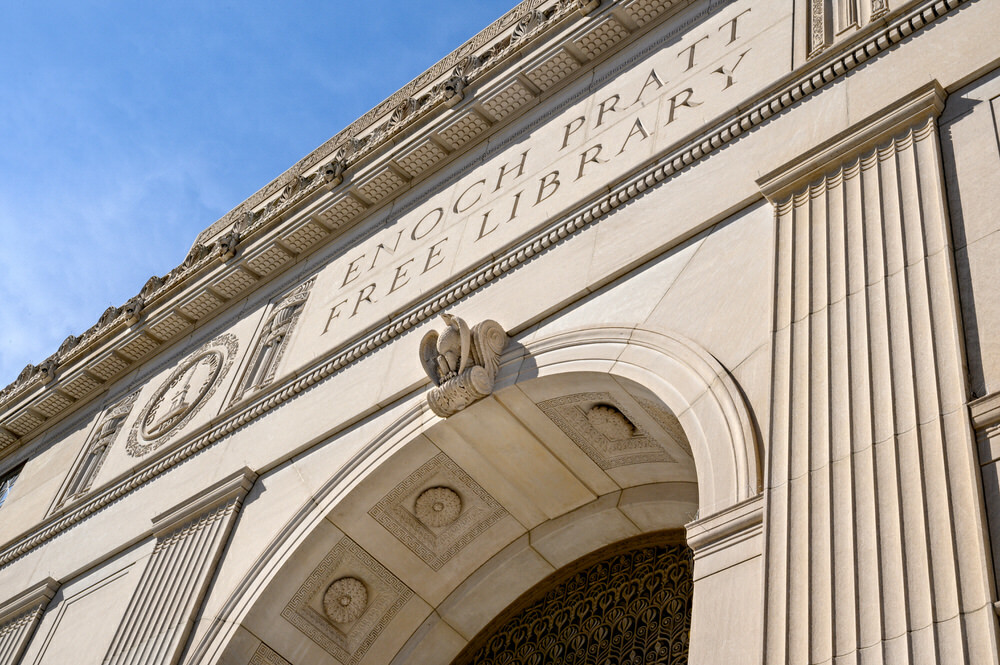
346	602
182	395
437	510
265	655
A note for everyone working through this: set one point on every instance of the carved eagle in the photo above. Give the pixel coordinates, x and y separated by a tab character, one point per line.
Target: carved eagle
449	354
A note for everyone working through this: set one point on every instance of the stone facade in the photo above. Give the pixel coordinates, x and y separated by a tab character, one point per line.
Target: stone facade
653	329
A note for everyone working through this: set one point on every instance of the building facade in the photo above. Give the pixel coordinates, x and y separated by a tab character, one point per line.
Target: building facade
632	331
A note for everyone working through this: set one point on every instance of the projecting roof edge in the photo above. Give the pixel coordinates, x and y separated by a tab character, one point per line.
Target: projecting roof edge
437	89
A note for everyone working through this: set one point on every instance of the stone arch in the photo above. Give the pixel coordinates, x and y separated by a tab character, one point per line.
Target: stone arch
337	525
684	375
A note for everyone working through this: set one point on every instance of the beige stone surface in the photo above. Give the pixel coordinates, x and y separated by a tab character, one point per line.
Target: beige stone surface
691	324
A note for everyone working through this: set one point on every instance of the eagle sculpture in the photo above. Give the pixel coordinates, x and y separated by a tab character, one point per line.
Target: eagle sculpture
462	362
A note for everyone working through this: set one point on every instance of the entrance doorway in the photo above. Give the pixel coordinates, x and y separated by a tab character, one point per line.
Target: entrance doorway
627	604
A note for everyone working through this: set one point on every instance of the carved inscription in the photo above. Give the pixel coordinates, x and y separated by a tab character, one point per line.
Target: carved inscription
633	116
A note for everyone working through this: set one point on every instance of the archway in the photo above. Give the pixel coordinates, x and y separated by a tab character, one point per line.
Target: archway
591	438
628	603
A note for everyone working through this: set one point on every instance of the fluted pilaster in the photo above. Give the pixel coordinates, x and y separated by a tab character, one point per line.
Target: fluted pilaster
874	534
189	543
19	617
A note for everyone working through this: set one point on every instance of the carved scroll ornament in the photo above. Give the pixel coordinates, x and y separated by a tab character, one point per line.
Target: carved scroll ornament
462	362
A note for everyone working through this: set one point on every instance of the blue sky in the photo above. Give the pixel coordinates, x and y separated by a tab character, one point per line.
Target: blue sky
128	127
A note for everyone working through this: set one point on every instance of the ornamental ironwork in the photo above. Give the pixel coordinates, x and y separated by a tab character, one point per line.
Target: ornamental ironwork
628	608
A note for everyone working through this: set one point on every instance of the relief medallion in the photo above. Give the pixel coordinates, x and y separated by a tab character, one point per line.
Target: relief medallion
182	395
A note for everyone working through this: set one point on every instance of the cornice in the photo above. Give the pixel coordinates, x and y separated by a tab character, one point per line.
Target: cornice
914	109
348	177
784	94
35	597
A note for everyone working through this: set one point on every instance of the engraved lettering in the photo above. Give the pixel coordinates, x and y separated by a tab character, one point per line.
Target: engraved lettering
352	268
440	214
652	79
381	247
570	129
732	24
458	202
334	314
513	209
728	71
613	99
482	226
504	171
434	253
545	183
637	129
400	273
364	295
590	155
690	52
674	104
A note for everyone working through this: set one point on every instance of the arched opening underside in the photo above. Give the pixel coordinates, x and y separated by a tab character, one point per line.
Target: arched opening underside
591	438
628	603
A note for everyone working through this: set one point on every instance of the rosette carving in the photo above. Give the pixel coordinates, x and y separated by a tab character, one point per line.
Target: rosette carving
345	600
438	506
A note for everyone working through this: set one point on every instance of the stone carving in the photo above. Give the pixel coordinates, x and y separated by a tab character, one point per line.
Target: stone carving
226	245
182	395
152	285
462	363
587	6
345	600
100	444
610	422
410	511
133	309
68	345
451	90
632	607
273	341
372	594
109	315
197	253
438	507
333	173
603	429
265	655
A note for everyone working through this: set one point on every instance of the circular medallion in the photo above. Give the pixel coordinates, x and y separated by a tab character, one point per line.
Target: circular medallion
182	395
438	506
611	422
345	600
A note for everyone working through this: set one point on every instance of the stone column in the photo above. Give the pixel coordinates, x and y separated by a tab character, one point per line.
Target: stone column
874	530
